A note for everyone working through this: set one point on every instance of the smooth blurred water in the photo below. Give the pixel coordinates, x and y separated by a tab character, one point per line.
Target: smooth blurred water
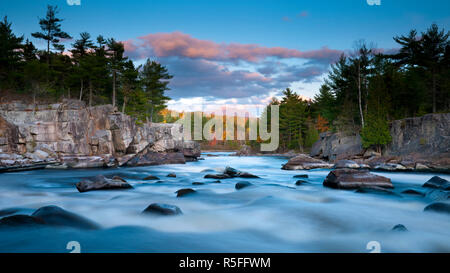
274	215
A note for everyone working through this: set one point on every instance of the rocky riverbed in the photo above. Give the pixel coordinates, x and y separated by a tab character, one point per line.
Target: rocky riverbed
259	207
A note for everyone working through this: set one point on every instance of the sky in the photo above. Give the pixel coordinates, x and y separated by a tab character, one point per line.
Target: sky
236	52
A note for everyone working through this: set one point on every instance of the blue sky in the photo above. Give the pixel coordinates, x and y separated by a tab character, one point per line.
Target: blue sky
237	51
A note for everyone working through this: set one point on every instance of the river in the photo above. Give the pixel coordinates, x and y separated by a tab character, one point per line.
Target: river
274	215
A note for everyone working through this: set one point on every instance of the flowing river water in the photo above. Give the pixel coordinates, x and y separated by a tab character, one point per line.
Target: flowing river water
274	215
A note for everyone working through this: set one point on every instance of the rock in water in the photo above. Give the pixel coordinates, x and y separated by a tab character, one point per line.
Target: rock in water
241	185
300	182
376	190
163	209
118	178
346	164
399	227
247	175
437	183
101	183
184	192
301	176
438	207
171	175
218	176
231	171
151	177
355	179
56	216
198	183
304	162
413	192
20	220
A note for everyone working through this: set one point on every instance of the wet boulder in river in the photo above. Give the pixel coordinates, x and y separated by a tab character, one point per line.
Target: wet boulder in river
56	216
151	177
241	185
20	220
413	192
300	182
301	176
438	207
118	178
355	179
304	162
163	209
171	175
437	183
236	173
183	192
346	164
399	227
218	176
101	183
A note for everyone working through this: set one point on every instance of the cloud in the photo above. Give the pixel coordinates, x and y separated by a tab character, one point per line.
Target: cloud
303	14
177	44
229	73
73	2
286	18
203	78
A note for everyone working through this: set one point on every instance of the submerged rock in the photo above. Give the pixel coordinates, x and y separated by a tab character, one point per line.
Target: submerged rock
437	195
101	183
355	179
437	183
163	209
241	185
438	207
20	220
198	183
171	175
376	190
218	176
247	175
151	177
300	182
236	173
56	216
301	176
413	192
304	162
399	227
183	192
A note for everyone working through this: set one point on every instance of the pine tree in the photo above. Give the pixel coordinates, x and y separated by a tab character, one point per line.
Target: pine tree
155	78
10	54
116	61
51	30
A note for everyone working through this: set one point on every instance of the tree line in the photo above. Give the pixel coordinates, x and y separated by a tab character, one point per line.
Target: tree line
366	89
93	70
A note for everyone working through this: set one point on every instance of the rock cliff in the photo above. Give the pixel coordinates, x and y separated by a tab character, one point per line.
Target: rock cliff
80	137
421	143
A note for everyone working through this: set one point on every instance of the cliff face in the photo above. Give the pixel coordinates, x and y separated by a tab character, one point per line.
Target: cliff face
420	143
427	136
79	136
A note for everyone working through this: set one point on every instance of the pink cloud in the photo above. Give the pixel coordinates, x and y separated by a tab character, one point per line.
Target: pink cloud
303	14
183	45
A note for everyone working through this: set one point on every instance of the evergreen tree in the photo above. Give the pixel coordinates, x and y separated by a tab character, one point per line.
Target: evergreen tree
51	30
116	61
10	54
154	78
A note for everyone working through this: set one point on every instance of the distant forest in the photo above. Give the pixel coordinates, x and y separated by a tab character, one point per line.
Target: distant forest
363	92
